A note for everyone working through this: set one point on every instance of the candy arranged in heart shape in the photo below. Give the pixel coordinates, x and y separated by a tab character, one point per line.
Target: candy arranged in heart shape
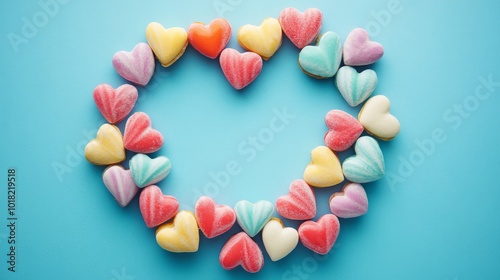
120	184
350	202
355	87
240	69
359	50
377	120
169	44
139	136
115	104
181	235
209	39
299	203
279	240
343	130
264	39
136	66
252	217
301	28
320	236
213	220
324	170
368	163
323	60
240	249
157	208
107	147
147	171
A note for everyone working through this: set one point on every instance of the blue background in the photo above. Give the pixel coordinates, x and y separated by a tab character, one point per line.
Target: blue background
434	216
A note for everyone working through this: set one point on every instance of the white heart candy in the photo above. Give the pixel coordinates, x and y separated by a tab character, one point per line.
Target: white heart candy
278	240
377	120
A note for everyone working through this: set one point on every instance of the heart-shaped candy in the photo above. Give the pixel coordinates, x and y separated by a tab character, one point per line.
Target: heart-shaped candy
252	217
279	240
115	104
354	87
301	28
136	66
181	235
157	208
377	120
147	171
139	136
209	39
264	39
324	170
120	184
240	249
213	220
107	147
299	203
350	202
368	163
320	236
359	50
343	130
240	69
323	60
169	44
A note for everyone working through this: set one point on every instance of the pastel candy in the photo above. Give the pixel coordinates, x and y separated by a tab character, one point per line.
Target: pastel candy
320	236
252	217
299	203
240	69
115	104
301	28
354	87
169	44
107	147
279	240
323	60
139	135
377	120
324	170
136	66
343	130
368	163
264	40
359	50
213	220
157	208
209	39
147	171
181	235
350	202
120	184
240	249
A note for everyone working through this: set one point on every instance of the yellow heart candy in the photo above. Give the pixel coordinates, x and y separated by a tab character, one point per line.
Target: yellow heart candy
167	44
181	235
264	39
377	120
107	148
324	170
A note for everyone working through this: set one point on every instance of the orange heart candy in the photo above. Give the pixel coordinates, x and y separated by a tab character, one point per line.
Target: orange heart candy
210	39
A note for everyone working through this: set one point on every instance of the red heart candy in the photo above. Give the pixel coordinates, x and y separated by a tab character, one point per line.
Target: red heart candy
115	104
343	131
301	28
139	136
213	220
210	39
157	208
299	203
241	250
240	69
320	236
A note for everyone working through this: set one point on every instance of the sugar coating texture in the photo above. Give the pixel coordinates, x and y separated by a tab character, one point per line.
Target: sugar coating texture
264	39
139	136
343	130
359	50
367	165
323	60
299	203
320	236
157	208
181	235
107	148
355	87
169	44
301	28
240	69
213	220
351	202
376	118
210	39
136	66
115	104
252	217
240	249
147	171
120	184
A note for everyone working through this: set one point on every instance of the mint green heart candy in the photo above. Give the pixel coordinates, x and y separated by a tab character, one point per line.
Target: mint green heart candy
323	60
252	217
146	171
368	163
355	87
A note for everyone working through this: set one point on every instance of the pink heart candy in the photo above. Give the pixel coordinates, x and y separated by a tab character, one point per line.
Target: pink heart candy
240	69
157	208
343	130
115	104
359	50
120	184
139	136
299	203
351	202
301	28
213	220
320	236
136	66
